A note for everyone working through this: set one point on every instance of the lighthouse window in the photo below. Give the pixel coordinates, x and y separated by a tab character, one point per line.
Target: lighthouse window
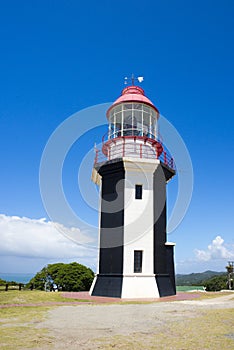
138	261
138	192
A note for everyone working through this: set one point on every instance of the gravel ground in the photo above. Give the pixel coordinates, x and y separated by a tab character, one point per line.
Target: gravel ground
90	326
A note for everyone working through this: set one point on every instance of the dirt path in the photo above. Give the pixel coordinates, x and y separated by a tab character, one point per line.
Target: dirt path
95	326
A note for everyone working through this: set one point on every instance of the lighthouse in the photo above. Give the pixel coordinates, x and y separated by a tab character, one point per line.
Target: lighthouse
132	170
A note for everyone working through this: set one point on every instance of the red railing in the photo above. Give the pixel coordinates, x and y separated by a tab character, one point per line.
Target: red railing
148	149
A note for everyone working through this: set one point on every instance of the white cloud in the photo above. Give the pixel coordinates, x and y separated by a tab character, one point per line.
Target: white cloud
216	250
31	238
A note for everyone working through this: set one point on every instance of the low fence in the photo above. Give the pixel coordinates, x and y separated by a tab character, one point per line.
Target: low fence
8	286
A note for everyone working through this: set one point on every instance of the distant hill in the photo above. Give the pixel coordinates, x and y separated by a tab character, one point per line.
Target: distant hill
196	278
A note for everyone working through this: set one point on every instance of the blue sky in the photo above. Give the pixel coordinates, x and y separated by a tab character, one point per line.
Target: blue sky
58	57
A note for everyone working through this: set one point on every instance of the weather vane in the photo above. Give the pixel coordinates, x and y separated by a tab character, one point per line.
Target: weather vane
133	79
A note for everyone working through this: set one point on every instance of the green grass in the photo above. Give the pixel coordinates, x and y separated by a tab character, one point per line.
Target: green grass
188	288
28	297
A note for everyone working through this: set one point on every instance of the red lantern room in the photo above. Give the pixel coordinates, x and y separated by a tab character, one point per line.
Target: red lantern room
133	129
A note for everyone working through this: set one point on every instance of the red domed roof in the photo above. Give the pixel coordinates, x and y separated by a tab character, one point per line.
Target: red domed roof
132	94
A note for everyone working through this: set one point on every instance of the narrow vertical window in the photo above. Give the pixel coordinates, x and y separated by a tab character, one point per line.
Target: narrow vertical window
138	191
138	261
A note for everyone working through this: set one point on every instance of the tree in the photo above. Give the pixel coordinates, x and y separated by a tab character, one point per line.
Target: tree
71	277
216	283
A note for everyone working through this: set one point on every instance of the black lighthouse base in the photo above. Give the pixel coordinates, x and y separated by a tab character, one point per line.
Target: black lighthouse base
108	286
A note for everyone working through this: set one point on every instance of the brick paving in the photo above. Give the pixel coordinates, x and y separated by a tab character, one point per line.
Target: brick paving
100	300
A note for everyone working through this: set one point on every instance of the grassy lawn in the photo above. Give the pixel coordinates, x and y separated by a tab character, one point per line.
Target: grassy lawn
187	288
28	297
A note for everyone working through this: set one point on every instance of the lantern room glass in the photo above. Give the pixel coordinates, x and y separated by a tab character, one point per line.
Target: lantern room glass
132	119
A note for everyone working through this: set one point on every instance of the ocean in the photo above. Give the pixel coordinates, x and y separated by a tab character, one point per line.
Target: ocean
17	277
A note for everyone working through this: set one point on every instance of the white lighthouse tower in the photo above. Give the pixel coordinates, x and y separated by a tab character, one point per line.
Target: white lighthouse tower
132	169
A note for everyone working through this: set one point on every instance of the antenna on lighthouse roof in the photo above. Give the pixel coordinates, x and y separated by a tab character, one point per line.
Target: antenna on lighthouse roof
133	79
